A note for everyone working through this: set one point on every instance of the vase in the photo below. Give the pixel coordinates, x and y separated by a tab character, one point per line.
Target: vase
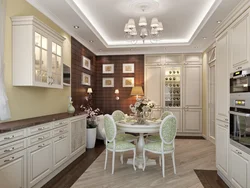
140	117
71	108
91	137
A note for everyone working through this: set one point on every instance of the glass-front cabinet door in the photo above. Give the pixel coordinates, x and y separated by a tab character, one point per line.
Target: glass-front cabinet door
56	66
172	87
41	59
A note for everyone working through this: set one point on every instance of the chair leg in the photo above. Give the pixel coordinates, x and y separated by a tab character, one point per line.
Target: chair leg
134	159
163	164
106	158
113	162
173	159
121	158
159	160
144	160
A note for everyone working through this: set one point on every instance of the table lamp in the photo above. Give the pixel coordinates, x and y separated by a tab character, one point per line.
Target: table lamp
137	90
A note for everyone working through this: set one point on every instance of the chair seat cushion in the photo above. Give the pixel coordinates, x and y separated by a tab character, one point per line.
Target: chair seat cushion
121	145
156	146
154	138
125	137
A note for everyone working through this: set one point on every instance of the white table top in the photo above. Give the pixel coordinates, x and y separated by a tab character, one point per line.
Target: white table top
148	127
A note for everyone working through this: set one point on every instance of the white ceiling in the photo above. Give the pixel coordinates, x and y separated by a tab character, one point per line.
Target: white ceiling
185	22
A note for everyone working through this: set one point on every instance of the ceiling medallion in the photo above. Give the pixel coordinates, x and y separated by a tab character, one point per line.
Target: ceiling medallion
150	5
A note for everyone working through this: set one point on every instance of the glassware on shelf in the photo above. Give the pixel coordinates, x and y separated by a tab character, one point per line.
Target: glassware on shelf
173	72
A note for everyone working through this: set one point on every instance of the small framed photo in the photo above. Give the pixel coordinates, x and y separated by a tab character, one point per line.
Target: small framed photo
86	63
108	68
128	82
128	68
107	82
86	79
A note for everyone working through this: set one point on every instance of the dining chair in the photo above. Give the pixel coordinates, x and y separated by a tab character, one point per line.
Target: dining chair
114	145
156	137
168	131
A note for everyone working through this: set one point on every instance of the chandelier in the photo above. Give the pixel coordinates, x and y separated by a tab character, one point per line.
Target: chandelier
152	32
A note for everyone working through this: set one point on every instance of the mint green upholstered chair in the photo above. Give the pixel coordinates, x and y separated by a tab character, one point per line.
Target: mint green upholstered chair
156	138
118	115
114	145
168	131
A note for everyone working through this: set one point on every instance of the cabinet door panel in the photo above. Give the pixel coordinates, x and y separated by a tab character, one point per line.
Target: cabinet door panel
153	84
192	120
222	139
192	86
222	79
178	114
78	132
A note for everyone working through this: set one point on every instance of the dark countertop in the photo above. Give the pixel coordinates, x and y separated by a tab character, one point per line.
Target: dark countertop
24	123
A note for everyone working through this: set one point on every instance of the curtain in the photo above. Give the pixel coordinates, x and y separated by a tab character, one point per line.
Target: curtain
4	105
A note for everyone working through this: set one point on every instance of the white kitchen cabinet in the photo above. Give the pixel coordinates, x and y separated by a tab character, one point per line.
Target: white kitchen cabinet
153	84
178	114
61	146
39	162
37	54
192	120
222	78
239	43
222	144
192	59
239	168
192	86
13	171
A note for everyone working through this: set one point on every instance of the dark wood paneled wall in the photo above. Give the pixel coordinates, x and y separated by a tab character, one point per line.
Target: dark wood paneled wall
79	91
105	96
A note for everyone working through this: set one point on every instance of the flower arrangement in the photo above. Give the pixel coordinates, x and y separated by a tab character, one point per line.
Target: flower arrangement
91	118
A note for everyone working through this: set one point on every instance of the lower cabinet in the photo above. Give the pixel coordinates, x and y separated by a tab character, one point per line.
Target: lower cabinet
192	120
178	114
156	113
13	171
39	162
239	168
222	144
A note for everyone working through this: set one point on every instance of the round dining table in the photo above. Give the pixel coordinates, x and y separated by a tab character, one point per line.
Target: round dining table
133	127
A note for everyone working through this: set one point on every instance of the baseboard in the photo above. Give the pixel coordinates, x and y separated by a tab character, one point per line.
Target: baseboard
190	137
224	178
204	136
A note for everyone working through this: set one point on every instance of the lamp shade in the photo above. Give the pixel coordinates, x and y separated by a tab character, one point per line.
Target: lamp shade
117	91
160	27
154	23
131	23
89	90
142	21
137	90
126	29
133	32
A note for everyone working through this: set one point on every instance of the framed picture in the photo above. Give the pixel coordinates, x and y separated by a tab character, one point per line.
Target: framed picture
128	81
108	68
86	79
107	82
86	63
128	68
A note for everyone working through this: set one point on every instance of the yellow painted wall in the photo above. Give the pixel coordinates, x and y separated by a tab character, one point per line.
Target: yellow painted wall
26	102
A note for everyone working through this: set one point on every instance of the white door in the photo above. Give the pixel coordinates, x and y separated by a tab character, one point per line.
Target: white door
39	162
153	84
222	141
13	171
222	79
211	102
178	114
60	150
192	86
192	120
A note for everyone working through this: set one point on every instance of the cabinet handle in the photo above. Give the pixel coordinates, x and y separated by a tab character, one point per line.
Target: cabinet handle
61	131
40	146
41	128
239	152
9	150
226	119
10	137
61	137
10	159
226	125
41	138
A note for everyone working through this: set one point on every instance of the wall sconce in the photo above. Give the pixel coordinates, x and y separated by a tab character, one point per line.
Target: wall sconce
89	91
117	93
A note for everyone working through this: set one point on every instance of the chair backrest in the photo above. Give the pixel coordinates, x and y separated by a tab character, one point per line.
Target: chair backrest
118	115
168	129
165	114
109	127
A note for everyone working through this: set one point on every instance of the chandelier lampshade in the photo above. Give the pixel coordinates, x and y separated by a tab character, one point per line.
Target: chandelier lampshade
154	23
142	21
160	27
126	29
131	24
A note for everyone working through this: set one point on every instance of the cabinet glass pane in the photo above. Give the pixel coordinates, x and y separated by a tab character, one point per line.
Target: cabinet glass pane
37	57
44	76
37	39
172	87
58	65
53	47
53	66
44	43
44	62
59	50
38	76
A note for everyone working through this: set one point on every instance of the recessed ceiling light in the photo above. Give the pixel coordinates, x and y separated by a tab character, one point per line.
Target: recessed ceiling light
204	38
91	41
219	21
195	47
76	27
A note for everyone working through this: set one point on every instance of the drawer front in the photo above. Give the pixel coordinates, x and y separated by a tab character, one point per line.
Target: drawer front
61	123
12	147
60	130
12	157
39	129
39	138
239	152
12	136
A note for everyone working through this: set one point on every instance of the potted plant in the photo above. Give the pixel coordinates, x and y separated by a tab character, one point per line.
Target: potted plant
91	125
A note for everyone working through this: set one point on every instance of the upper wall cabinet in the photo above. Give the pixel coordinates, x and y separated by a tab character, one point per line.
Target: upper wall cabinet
239	44
37	54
